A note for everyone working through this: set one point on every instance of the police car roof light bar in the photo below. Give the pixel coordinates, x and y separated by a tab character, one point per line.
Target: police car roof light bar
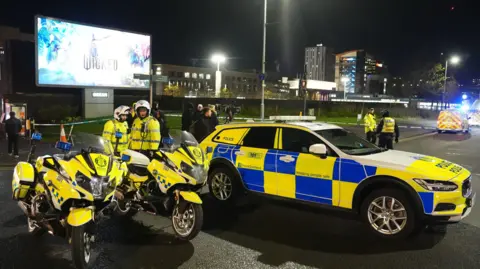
292	118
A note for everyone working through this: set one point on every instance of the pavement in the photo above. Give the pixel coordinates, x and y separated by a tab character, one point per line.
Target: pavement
263	234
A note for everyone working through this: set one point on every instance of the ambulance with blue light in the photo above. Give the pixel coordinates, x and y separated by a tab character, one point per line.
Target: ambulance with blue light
395	193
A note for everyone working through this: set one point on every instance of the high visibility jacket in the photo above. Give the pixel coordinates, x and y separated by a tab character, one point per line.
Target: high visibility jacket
145	134
370	123
109	130
388	125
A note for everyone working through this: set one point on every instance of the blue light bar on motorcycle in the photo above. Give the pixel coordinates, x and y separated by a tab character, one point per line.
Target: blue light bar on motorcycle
118	135
125	158
65	146
168	141
37	136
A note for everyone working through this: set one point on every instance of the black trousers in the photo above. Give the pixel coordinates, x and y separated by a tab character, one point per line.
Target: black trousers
385	141
13	144
371	137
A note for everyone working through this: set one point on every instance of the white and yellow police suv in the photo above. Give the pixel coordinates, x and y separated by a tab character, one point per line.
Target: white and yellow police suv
396	193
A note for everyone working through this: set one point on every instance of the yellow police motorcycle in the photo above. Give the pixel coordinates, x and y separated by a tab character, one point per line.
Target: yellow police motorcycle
65	194
166	184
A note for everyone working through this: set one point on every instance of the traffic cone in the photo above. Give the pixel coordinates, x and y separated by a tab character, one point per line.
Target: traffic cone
63	137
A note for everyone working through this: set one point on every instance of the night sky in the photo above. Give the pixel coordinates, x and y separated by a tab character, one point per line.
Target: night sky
404	34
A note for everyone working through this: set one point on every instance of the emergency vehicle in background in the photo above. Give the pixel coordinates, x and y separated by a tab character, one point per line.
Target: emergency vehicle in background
453	120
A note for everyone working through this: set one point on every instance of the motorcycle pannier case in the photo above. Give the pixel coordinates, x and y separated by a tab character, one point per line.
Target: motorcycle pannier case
23	180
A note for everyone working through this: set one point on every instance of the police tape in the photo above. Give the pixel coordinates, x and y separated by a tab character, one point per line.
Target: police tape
71	123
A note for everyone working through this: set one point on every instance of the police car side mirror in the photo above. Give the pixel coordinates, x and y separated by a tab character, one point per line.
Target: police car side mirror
319	149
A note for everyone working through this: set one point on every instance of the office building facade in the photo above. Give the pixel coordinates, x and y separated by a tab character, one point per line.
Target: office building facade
320	63
356	70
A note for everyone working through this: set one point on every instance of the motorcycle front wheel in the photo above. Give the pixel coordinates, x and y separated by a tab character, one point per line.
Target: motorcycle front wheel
187	225
81	247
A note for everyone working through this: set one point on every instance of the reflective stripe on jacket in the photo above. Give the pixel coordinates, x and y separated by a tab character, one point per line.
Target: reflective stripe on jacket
109	130
145	134
388	125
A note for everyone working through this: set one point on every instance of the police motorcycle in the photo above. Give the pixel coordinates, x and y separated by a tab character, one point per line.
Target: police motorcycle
166	184
66	194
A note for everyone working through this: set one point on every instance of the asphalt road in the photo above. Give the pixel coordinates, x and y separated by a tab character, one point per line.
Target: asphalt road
263	235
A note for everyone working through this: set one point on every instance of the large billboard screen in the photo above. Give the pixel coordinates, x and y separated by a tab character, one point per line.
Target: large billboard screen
74	55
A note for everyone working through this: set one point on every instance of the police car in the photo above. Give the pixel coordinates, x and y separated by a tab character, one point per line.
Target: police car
396	193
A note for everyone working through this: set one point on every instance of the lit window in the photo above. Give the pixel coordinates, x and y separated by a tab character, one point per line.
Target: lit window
194	75
187	74
394	85
208	76
201	76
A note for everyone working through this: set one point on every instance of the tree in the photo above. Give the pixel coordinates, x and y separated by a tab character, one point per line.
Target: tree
225	93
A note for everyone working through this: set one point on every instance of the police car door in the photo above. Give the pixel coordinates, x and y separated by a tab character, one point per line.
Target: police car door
255	160
302	175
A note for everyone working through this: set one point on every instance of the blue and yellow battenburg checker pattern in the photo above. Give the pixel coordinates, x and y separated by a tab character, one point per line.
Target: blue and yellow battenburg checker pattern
56	195
306	177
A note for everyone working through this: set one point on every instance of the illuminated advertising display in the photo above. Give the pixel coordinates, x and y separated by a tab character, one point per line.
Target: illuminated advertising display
74	55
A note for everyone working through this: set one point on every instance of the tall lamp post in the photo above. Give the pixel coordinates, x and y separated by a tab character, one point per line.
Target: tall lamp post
262	106
218	59
454	60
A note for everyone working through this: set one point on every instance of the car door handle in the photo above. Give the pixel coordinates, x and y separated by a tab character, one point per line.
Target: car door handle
287	158
239	153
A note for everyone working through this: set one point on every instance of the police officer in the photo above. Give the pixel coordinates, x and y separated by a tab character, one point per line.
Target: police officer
386	128
370	125
145	135
118	124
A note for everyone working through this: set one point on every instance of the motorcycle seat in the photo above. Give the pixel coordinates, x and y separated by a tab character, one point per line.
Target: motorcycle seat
138	169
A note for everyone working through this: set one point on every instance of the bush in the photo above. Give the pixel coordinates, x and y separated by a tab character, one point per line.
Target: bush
57	113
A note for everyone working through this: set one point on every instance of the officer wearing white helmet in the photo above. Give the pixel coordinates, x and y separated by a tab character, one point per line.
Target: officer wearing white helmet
145	134
118	124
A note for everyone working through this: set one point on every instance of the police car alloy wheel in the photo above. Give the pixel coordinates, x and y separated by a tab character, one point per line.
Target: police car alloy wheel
388	213
223	185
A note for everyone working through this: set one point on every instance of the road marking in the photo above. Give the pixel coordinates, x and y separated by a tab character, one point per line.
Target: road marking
416	137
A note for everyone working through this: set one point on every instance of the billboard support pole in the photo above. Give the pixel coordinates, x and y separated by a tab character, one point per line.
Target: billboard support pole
151	87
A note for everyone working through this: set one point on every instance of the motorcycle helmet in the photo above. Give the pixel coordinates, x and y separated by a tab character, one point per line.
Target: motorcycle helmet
121	110
144	104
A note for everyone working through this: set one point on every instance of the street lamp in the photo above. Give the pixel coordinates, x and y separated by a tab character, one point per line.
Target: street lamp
454	60
262	106
218	58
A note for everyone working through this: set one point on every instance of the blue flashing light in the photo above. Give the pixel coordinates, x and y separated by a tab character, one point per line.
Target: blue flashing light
125	158
37	136
464	96
65	146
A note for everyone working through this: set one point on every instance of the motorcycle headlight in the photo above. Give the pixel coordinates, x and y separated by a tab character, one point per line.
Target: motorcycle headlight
197	172
99	187
436	185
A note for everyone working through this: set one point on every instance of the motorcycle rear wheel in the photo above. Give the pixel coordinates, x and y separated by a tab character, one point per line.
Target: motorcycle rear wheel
81	247
187	225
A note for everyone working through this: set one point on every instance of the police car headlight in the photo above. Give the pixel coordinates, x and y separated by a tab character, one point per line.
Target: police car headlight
435	185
